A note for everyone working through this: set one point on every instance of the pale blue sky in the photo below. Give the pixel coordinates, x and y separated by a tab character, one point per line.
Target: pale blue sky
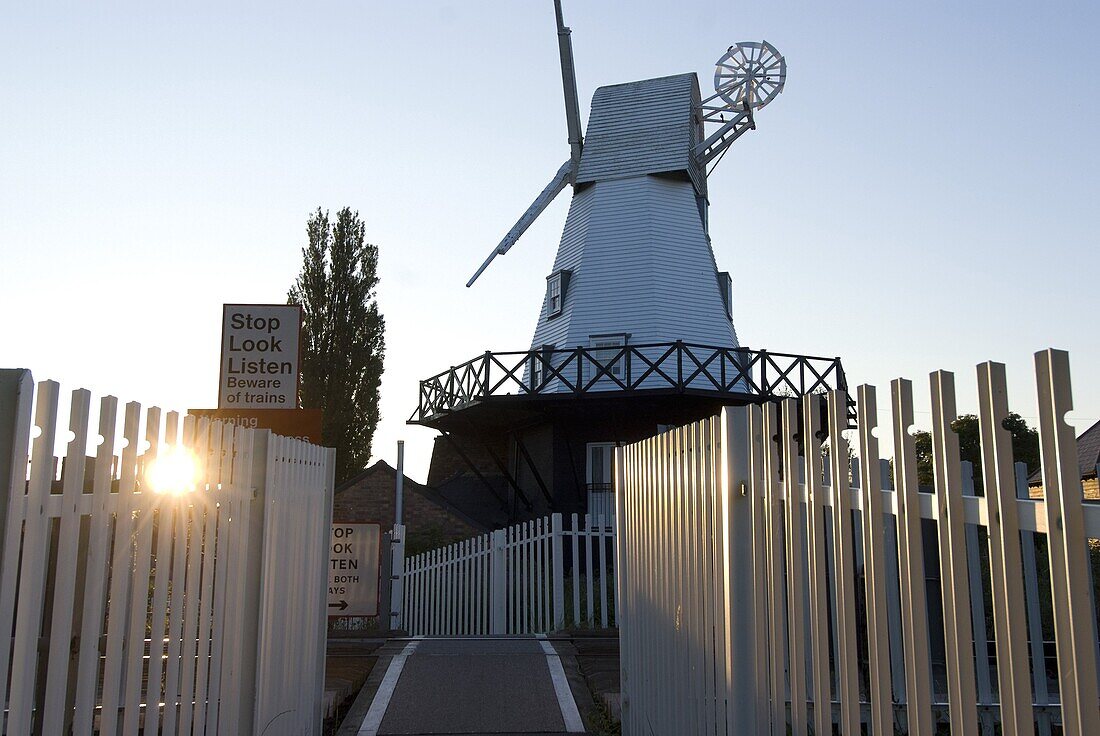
922	195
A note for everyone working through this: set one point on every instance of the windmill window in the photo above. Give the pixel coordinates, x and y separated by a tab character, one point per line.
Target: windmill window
601	501
606	353
539	362
556	284
725	286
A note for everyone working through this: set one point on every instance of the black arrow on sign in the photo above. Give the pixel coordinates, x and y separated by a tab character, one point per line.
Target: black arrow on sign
341	605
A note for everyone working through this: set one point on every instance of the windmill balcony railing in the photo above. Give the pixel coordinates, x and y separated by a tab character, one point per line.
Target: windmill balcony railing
677	366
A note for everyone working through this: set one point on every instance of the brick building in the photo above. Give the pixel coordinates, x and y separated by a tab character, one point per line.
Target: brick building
430	520
1088	459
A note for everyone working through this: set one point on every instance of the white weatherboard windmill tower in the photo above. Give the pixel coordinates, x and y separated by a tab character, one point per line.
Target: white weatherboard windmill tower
636	329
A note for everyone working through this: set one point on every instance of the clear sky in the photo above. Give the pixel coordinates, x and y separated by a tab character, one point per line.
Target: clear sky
922	196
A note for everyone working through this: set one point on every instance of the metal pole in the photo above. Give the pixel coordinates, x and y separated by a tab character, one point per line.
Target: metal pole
397	577
399	503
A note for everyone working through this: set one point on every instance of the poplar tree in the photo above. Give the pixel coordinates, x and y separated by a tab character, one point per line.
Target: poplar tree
343	342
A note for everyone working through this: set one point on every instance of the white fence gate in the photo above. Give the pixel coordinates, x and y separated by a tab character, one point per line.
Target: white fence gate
198	609
512	581
754	604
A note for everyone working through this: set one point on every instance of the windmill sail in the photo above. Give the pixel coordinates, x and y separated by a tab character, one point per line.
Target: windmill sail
567	174
569	86
552	190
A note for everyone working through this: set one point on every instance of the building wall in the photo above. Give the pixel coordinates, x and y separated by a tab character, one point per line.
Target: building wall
640	264
1090	487
447	463
452	477
635	240
538	441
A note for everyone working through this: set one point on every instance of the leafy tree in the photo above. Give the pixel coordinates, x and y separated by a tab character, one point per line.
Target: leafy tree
1025	446
343	335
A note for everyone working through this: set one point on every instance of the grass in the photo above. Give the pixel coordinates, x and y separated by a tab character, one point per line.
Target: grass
597	603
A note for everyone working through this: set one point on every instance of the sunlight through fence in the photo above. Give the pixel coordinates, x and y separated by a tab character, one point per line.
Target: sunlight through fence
176	586
770	585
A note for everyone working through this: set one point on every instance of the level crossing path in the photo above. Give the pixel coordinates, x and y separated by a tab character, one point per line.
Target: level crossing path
470	686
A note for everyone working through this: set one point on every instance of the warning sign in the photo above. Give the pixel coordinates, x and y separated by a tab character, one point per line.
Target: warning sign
298	424
259	356
354	569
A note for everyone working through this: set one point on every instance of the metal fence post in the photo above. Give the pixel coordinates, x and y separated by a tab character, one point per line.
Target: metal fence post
735	509
893	591
1074	629
497	584
1034	616
397	575
558	571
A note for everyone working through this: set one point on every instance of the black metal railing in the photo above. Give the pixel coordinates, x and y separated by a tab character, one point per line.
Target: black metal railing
677	366
601	503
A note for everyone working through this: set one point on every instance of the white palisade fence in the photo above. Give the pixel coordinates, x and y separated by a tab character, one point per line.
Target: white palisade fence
513	581
770	590
126	610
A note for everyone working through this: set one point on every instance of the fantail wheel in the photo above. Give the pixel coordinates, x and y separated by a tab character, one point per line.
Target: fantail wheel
750	71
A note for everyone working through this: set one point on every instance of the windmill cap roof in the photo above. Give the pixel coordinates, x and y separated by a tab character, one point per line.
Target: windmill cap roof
671	79
645	127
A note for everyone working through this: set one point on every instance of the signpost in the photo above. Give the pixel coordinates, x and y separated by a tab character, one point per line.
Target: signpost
260	347
354	569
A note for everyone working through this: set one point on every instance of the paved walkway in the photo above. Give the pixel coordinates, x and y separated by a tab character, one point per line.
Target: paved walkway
471	686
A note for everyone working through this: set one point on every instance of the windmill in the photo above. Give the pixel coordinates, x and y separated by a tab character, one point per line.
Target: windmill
747	77
636	328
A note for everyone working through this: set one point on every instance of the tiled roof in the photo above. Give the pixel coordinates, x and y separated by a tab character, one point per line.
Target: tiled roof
1088	455
410	486
1088	450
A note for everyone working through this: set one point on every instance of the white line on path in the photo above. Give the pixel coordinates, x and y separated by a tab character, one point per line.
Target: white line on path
373	720
569	713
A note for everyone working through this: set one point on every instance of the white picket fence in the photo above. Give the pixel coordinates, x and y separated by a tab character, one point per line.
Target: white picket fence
126	610
745	613
512	581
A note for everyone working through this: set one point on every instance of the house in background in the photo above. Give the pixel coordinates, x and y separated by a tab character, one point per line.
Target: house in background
1088	458
430	520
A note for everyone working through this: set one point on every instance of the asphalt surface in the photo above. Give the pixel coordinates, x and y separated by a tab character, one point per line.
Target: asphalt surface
474	686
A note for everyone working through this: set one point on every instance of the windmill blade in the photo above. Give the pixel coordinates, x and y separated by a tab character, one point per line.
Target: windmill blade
565	173
569	86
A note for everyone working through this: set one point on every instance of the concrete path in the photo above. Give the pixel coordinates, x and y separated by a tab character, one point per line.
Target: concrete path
472	686
348	662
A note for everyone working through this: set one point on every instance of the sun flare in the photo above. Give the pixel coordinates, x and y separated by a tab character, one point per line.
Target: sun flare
173	472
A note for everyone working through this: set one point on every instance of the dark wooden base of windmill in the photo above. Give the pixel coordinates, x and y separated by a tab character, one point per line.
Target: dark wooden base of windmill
511	458
548	446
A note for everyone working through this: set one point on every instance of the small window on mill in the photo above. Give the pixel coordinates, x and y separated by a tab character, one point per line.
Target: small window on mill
556	285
